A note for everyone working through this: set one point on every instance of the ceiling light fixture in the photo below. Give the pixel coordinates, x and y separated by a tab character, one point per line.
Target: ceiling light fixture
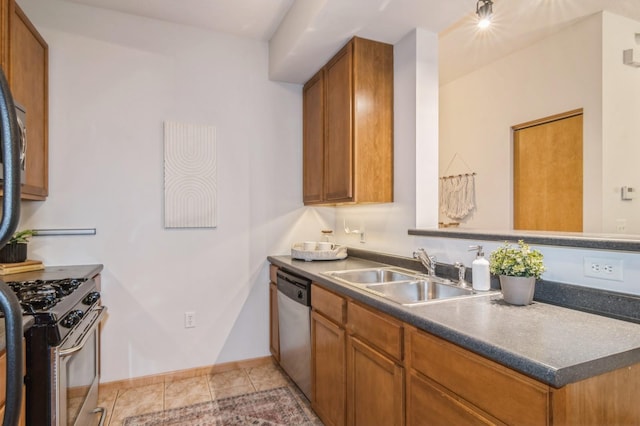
484	10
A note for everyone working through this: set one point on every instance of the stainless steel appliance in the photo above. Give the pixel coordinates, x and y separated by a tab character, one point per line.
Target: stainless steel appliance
62	350
294	319
9	148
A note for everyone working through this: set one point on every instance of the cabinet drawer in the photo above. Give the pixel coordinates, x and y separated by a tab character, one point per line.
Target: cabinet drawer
381	331
273	270
428	405
509	396
331	305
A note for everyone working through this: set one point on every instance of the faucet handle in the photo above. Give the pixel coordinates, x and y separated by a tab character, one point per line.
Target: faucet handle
461	274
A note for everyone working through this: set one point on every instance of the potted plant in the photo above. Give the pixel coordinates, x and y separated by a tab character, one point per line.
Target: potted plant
16	249
518	267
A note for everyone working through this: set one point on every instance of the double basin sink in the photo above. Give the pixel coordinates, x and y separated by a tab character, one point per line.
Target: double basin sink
401	286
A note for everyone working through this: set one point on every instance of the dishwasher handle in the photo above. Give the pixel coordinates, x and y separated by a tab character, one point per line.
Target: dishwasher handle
294	287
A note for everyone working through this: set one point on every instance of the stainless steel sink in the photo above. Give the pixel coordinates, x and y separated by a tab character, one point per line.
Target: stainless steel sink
414	292
372	275
400	285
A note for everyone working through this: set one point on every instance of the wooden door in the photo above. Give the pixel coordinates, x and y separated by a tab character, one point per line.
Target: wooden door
547	174
328	351
313	139
274	326
375	387
338	139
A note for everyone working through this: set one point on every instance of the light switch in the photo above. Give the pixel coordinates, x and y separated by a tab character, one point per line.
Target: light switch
627	193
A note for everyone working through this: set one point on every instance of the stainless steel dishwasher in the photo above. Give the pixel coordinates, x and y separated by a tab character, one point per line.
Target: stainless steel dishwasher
294	317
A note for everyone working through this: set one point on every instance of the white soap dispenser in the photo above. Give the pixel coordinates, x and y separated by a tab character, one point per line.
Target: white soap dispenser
481	278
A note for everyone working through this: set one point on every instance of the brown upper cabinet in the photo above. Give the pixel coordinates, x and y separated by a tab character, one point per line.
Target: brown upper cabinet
348	127
24	59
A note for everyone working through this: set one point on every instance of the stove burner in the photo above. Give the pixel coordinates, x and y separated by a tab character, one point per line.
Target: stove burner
40	295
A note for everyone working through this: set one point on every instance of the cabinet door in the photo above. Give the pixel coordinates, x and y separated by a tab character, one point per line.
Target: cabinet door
375	386
503	393
313	140
274	327
328	370
28	78
428	405
3	380
372	121
4	34
339	147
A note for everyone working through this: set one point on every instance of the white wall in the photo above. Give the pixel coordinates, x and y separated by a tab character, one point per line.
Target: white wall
386	225
560	73
621	124
114	79
415	142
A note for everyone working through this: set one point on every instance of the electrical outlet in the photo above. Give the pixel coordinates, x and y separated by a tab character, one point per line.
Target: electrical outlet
605	269
189	319
621	225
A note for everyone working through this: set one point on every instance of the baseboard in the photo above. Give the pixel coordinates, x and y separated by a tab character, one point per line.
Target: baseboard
184	374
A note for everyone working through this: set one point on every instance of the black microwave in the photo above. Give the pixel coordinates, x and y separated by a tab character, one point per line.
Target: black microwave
21	115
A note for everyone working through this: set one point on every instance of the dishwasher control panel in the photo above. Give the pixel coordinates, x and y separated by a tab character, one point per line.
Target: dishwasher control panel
294	287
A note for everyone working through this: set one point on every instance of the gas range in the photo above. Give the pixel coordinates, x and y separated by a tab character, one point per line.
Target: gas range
57	303
62	346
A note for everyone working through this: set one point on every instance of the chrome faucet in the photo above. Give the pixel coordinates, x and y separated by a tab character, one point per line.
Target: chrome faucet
429	262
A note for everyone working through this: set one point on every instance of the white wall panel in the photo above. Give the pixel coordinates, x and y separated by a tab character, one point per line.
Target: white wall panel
190	185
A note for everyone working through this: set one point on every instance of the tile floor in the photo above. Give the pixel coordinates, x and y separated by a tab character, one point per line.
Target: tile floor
122	403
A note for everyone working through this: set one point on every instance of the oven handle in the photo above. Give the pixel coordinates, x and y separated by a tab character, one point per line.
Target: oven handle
100	311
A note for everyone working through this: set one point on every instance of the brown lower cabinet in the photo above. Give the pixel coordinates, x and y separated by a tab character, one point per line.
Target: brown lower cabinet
470	386
356	376
375	386
369	368
3	378
328	356
328	347
430	404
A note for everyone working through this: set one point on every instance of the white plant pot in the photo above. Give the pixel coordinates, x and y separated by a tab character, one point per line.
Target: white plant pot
517	290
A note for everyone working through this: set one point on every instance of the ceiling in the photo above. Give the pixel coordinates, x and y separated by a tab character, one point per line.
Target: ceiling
304	34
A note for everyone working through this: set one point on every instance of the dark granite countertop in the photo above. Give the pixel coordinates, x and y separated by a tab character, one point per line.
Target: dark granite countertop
552	344
48	273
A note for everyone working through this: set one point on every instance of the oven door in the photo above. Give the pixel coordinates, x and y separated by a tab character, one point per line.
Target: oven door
77	366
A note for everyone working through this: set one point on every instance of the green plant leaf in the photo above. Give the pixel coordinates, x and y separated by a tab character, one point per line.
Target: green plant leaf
21	237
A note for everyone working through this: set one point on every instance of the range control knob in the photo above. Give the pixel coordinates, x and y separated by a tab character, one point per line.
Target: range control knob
72	318
300	294
91	298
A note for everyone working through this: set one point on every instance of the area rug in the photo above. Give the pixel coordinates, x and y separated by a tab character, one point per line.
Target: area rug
271	407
